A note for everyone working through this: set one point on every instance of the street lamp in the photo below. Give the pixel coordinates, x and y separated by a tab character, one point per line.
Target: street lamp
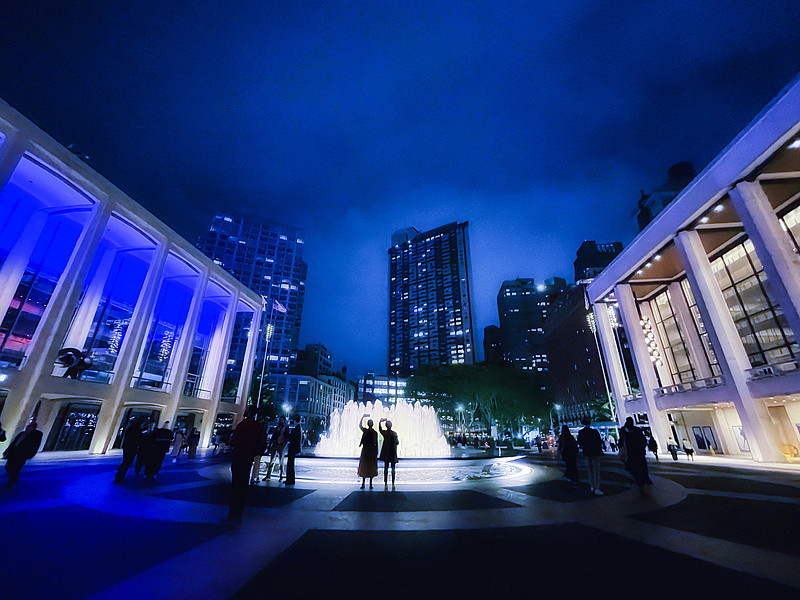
558	408
460	411
287	408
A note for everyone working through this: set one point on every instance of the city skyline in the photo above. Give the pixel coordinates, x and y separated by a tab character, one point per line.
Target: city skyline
529	121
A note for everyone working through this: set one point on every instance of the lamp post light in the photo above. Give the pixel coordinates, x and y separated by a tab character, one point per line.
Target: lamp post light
558	416
460	411
287	408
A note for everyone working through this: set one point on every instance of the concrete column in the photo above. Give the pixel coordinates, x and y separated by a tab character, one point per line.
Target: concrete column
733	361
773	247
129	352
249	359
641	361
216	365
11	151
13	268
613	360
689	334
183	351
43	348
82	322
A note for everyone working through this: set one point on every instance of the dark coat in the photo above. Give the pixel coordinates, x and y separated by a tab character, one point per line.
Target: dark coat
133	436
590	442
295	440
24	446
247	439
389	448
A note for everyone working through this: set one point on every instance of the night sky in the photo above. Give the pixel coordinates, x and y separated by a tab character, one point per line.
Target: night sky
538	122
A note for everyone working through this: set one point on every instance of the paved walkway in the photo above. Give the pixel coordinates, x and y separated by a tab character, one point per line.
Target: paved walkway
512	525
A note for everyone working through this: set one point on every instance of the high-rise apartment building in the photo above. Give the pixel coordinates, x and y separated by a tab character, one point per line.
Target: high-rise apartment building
430	316
523	307
268	259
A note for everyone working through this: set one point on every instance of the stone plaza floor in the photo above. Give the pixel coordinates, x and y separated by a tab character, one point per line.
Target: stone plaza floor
473	528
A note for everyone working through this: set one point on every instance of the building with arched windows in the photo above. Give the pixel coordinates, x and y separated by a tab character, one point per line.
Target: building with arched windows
709	297
106	312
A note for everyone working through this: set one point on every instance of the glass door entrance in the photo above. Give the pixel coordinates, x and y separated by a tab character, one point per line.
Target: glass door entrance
74	427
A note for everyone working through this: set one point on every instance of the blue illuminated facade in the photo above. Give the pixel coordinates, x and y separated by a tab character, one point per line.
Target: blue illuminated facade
105	312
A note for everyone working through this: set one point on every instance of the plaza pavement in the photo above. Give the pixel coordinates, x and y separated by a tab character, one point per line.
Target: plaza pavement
491	528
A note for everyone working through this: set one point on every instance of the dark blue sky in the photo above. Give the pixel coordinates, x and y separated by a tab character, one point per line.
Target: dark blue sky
537	122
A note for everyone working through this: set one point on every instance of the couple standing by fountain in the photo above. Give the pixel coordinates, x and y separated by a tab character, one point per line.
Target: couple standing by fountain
368	463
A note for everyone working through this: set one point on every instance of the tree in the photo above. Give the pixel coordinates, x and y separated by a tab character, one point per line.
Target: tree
501	393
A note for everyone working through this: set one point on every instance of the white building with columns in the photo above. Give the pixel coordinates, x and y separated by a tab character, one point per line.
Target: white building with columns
709	296
84	267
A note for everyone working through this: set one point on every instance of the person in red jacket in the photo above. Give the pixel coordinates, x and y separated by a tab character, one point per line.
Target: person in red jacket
246	441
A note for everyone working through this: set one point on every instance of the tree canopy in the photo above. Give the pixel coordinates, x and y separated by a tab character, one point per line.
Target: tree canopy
499	392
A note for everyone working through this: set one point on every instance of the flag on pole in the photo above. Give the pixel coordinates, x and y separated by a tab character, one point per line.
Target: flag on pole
278	306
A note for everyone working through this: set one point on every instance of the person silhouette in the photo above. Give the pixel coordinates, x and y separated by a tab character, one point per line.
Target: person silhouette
388	450
368	463
568	448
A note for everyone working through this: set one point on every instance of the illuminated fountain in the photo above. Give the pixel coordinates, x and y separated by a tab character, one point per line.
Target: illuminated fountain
417	427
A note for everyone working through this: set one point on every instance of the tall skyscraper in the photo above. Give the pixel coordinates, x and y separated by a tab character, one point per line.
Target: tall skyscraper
523	306
268	259
430	315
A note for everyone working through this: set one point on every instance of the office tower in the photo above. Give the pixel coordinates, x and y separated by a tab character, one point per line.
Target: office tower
314	360
388	390
268	259
576	367
430	317
492	346
592	258
523	307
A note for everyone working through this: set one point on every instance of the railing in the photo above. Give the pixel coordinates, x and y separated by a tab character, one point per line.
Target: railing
192	387
632	398
691	386
775	370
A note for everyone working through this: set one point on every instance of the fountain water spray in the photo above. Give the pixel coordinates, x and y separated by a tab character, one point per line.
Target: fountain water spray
417	427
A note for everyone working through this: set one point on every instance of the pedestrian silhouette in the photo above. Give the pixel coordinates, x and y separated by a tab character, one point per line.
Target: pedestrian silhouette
368	463
293	448
568	448
21	449
636	448
388	450
130	447
246	441
592	445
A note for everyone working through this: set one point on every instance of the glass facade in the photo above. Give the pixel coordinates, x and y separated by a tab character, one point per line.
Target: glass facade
763	328
697	322
199	378
166	328
669	333
50	256
234	364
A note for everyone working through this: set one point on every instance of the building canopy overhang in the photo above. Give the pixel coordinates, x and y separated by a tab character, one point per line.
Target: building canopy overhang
767	151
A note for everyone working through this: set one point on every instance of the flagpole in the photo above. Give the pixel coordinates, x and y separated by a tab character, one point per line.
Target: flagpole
267	342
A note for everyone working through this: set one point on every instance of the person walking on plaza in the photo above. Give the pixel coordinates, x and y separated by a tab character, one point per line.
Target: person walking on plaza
672	448
568	448
293	448
255	471
277	446
130	447
592	445
177	446
368	463
652	445
636	448
388	450
21	449
145	447
688	448
193	441
215	442
2	433
158	448
538	442
247	441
